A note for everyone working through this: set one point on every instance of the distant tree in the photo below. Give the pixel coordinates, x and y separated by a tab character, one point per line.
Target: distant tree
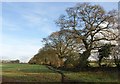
91	24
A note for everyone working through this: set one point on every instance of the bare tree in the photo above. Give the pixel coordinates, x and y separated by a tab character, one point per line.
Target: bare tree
62	43
91	24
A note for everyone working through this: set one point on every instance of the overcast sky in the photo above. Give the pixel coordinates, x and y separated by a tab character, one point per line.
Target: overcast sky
25	24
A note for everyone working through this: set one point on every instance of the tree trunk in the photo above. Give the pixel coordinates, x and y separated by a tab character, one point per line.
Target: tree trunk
99	61
62	77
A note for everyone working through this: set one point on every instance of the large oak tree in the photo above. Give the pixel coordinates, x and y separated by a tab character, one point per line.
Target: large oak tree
91	24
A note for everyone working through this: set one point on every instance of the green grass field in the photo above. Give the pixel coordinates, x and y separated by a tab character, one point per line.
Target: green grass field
39	73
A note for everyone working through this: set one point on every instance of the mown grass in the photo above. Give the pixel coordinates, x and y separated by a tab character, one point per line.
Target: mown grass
39	73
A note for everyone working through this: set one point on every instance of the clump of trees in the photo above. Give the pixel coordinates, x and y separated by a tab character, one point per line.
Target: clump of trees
10	61
46	56
82	29
104	52
116	55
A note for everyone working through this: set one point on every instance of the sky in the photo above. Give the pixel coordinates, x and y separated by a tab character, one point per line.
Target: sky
24	24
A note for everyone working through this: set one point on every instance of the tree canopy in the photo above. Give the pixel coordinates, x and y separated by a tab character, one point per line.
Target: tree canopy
91	24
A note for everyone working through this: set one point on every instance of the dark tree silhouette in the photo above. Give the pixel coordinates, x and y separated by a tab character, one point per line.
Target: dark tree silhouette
104	51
